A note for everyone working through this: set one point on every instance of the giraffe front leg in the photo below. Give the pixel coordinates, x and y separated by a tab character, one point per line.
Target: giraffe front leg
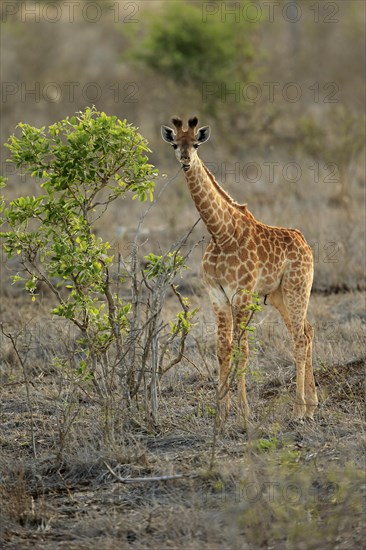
241	351
243	402
223	354
224	392
223	350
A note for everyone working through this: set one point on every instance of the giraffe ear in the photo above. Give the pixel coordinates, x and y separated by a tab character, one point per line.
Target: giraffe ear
203	134
167	134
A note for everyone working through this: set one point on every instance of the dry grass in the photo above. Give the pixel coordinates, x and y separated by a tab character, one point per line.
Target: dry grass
277	485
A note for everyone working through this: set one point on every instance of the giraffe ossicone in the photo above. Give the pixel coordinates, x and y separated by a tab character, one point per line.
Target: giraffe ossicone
245	256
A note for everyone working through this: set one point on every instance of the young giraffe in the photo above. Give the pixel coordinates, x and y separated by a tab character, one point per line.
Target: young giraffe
245	254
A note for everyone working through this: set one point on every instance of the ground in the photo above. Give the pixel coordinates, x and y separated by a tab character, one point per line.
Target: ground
273	485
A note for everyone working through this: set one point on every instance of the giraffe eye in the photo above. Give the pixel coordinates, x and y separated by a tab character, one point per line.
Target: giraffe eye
175	146
196	145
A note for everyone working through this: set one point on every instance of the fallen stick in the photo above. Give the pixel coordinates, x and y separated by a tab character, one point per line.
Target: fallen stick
147	479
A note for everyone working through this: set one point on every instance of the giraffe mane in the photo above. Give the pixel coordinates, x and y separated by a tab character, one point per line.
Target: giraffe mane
222	192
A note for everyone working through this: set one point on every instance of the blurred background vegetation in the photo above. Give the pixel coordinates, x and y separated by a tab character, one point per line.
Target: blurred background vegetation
280	83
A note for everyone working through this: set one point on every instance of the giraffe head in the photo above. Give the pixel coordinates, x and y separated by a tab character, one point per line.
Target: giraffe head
185	142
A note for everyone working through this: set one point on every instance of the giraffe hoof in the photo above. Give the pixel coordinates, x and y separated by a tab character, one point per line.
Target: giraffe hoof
224	409
223	413
299	411
244	411
310	410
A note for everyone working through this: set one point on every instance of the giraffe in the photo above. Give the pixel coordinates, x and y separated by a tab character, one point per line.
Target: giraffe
245	256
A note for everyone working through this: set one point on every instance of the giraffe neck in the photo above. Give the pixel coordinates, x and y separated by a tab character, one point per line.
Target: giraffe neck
216	208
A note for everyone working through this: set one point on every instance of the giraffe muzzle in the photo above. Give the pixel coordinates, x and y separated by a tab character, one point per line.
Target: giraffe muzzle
186	163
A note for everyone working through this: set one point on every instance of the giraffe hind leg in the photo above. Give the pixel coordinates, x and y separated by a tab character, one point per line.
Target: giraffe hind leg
311	397
302	335
300	407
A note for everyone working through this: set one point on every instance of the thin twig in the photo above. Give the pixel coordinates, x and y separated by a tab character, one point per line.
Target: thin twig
27	384
177	359
153	203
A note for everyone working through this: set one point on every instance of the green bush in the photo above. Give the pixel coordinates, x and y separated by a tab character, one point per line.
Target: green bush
83	164
182	45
